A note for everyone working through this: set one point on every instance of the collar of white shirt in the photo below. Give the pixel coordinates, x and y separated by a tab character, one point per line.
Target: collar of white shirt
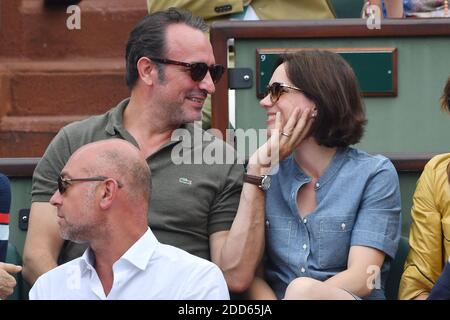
138	254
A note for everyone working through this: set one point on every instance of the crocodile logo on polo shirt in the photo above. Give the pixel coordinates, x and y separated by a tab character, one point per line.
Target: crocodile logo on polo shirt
185	181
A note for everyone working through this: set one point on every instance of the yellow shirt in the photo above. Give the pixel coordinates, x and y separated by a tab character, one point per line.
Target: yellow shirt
429	237
265	9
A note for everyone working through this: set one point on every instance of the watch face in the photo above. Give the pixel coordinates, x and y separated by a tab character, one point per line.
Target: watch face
265	183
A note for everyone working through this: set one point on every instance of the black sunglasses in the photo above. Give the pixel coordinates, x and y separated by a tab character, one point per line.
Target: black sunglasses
198	70
276	89
64	183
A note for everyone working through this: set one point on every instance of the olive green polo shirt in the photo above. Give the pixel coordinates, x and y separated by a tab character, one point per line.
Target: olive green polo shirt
189	201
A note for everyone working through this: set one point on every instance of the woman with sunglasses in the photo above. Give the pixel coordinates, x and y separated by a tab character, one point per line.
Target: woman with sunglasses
332	211
427	268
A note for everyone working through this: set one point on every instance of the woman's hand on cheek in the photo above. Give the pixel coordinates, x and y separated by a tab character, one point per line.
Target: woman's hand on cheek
282	142
294	131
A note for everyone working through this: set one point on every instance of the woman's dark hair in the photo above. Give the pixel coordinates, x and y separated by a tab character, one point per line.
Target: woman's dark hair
445	105
448	172
148	38
328	80
445	98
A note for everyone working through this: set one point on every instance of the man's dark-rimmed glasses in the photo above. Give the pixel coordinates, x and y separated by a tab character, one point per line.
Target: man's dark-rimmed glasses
198	70
64	183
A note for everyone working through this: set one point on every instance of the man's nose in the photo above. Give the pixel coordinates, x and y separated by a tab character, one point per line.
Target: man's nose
56	199
207	84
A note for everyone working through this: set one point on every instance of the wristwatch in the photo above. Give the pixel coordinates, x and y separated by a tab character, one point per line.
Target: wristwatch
263	182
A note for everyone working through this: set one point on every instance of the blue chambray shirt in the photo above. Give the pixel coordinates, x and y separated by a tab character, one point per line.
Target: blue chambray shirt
358	203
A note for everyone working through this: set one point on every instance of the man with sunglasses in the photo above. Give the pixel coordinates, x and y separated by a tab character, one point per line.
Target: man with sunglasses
217	10
170	70
102	199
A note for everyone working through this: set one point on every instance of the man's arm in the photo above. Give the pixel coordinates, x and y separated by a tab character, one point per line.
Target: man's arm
238	251
43	242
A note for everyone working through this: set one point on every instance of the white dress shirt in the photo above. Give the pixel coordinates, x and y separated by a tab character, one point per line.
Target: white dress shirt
148	270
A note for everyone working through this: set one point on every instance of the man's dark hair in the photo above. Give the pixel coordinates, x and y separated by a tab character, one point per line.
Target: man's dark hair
327	80
148	38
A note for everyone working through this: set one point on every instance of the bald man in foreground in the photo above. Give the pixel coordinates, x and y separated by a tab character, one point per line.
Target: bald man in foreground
102	200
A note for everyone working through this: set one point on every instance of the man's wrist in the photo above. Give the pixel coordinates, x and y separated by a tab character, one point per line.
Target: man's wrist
257	170
261	181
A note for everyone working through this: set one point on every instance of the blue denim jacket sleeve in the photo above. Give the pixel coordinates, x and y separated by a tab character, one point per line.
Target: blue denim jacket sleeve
378	220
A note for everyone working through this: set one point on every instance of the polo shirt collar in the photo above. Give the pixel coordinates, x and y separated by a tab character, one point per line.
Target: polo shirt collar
115	124
191	131
115	119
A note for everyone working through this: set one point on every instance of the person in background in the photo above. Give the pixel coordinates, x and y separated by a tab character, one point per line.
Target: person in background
426	8
214	10
429	237
389	8
332	211
5	203
7	280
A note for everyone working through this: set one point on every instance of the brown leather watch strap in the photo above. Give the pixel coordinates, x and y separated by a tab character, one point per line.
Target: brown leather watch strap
256	180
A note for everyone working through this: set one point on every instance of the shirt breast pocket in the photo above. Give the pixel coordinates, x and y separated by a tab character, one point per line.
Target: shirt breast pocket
334	242
278	232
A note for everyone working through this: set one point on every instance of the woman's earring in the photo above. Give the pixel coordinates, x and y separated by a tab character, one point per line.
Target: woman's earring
314	113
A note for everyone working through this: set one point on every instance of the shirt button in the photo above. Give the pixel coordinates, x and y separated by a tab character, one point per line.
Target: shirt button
304	246
225	8
302	270
343	226
305	221
267	223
